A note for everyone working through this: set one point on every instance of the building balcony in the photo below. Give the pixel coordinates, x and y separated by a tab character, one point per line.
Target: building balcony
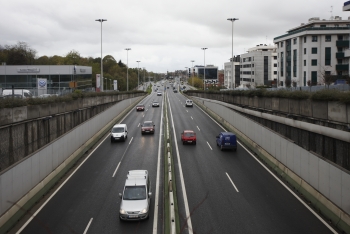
342	67
339	55
343	43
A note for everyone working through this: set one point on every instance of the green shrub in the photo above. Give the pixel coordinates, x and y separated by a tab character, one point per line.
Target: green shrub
326	95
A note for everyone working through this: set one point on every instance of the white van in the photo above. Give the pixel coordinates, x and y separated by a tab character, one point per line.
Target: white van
136	196
119	132
24	92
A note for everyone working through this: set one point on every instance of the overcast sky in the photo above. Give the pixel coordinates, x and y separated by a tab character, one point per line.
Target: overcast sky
165	35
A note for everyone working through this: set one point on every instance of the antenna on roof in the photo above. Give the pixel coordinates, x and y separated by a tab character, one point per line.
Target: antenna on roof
331	13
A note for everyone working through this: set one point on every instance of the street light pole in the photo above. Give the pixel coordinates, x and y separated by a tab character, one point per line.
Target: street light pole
138	73
204	68
101	77
127	68
232	20
192	72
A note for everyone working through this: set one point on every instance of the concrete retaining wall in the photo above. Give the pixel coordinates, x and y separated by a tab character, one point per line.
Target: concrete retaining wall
20	183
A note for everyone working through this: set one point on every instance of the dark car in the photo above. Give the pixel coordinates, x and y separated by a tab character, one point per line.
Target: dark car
140	107
175	90
226	140
147	127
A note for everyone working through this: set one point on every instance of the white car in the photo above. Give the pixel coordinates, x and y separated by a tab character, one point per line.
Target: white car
119	132
159	93
189	103
155	104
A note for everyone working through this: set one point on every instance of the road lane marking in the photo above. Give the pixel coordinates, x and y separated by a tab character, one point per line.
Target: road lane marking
143	115
209	146
187	111
232	182
198	128
116	170
191	117
184	194
138	125
87	227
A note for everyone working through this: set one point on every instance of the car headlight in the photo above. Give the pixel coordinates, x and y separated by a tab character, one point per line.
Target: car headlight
121	211
144	211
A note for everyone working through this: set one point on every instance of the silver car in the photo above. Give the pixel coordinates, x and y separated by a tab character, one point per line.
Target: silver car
136	197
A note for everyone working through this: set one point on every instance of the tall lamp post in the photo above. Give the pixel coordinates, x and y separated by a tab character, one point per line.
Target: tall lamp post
192	72
204	68
186	73
101	77
127	68
232	80
106	83
138	73
144	76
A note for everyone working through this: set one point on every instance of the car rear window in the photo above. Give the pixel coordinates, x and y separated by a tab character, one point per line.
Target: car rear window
134	193
189	134
148	124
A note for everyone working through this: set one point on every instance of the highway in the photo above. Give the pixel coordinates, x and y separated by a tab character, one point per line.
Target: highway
225	191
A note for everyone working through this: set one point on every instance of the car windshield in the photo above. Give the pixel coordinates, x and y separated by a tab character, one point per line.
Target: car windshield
189	101
134	193
139	105
148	124
190	134
117	130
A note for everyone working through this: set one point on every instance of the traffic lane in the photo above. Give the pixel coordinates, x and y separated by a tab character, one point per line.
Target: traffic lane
105	158
76	200
233	168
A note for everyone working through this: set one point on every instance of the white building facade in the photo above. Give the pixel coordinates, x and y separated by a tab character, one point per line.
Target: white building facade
259	66
232	76
310	51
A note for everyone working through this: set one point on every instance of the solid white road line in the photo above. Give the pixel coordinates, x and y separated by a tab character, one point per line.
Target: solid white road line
87	227
187	210
138	125
156	202
198	128
209	146
116	170
232	182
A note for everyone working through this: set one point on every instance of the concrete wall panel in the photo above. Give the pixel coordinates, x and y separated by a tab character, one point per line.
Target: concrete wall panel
19	113
319	110
284	105
304	164
6	194
275	103
335	177
290	155
306	108
294	107
297	160
6	116
337	112
17	181
323	178
345	191
35	168
314	170
284	152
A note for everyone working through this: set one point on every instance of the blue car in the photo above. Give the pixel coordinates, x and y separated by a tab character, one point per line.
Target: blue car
226	140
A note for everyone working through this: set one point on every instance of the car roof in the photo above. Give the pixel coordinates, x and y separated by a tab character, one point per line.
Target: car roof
136	177
119	125
227	133
188	131
148	121
140	104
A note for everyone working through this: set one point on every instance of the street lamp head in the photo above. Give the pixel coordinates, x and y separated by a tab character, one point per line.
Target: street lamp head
138	61
204	48
192	61
232	19
101	20
127	48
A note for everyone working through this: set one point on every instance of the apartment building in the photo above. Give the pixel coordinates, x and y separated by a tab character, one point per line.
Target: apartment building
259	66
232	76
313	50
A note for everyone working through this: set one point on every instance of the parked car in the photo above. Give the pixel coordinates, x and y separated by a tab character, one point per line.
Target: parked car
189	103
155	104
136	196
188	136
140	107
226	140
119	132
24	92
148	127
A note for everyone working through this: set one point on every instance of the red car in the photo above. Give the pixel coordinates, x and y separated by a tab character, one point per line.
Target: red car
188	136
147	127
140	107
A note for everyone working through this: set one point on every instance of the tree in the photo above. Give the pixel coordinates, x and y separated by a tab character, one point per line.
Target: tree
20	54
309	83
73	57
326	77
288	83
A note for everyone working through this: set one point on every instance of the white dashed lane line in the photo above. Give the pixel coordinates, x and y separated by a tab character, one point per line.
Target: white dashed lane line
198	128
209	145
232	182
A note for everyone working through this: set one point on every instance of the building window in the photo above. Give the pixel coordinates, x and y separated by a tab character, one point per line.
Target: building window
314	77
328	56
314	38
275	57
304	78
314	50
304	63
294	41
313	62
275	72
328	38
304	39
304	50
252	72
275	64
322	25
281	43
